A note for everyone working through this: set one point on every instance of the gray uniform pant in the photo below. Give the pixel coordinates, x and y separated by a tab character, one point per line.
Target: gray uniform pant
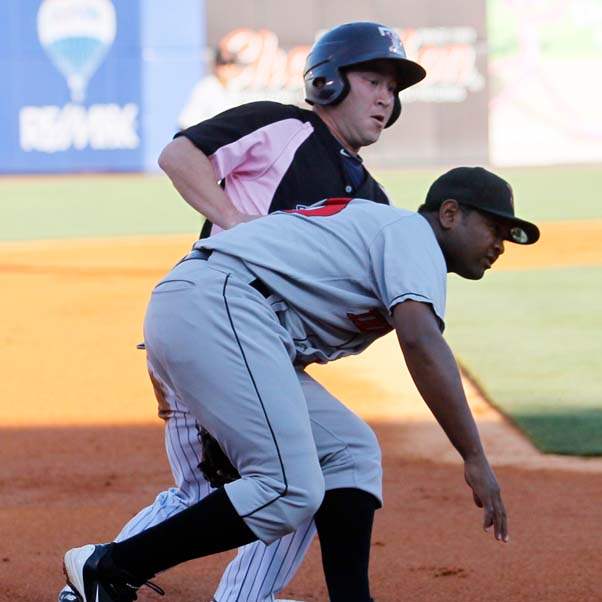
214	340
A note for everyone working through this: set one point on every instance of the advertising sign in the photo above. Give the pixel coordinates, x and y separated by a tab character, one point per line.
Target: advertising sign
75	78
81	74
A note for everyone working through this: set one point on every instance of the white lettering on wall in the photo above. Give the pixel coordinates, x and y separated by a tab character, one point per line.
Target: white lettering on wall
51	129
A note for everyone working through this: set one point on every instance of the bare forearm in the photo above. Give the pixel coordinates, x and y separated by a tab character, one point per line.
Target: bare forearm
193	177
435	372
436	375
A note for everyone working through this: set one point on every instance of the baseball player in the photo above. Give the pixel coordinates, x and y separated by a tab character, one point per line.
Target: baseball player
267	157
231	327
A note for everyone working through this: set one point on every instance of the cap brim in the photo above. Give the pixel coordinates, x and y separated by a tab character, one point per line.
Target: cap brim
522	232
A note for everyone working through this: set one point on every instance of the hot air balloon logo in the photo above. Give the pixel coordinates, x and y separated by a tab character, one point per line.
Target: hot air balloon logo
76	35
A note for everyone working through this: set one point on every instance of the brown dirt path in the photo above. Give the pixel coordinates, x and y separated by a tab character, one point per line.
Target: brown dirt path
82	449
61	487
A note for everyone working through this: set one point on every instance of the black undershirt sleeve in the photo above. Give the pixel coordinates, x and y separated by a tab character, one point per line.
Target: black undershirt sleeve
231	125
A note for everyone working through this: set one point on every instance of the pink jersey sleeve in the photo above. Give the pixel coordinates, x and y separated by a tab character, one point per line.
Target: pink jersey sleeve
254	165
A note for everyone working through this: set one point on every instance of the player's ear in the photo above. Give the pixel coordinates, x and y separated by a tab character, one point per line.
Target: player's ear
450	213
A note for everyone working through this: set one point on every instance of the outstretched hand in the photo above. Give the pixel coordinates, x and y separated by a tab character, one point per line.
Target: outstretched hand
486	495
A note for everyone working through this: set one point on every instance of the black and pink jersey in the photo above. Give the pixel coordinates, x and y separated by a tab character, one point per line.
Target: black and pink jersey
269	157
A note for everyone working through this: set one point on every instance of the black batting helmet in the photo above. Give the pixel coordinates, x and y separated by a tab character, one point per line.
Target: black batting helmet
352	44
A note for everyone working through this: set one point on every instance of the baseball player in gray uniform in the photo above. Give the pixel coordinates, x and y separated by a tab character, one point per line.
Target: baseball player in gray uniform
231	327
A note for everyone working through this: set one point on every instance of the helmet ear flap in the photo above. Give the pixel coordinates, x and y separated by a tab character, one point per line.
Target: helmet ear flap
344	88
326	86
317	92
395	113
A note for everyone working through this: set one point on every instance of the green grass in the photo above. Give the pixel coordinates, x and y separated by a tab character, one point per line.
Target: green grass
540	194
88	206
532	340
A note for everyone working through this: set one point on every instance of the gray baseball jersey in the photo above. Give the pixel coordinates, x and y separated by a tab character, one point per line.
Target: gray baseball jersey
226	347
336	270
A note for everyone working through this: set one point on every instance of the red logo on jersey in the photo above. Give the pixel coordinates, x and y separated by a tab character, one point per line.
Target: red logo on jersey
328	207
371	321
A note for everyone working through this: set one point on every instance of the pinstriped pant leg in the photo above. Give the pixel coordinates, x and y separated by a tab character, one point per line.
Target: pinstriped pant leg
258	572
184	454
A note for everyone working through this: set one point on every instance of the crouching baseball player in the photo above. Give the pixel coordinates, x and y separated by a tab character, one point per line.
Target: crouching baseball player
230	329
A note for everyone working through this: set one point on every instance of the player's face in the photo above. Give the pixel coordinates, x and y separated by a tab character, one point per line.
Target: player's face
362	115
477	242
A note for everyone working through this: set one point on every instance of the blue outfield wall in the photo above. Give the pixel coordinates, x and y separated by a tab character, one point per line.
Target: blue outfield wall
94	85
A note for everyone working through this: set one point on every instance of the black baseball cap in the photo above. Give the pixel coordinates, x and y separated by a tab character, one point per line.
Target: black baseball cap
483	190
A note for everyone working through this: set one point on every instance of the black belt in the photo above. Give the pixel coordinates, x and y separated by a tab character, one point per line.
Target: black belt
204	254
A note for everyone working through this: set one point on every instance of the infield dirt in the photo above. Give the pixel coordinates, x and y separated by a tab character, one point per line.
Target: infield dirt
82	449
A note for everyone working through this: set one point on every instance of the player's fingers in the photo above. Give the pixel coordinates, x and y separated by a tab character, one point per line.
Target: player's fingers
477	500
500	520
505	533
488	517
